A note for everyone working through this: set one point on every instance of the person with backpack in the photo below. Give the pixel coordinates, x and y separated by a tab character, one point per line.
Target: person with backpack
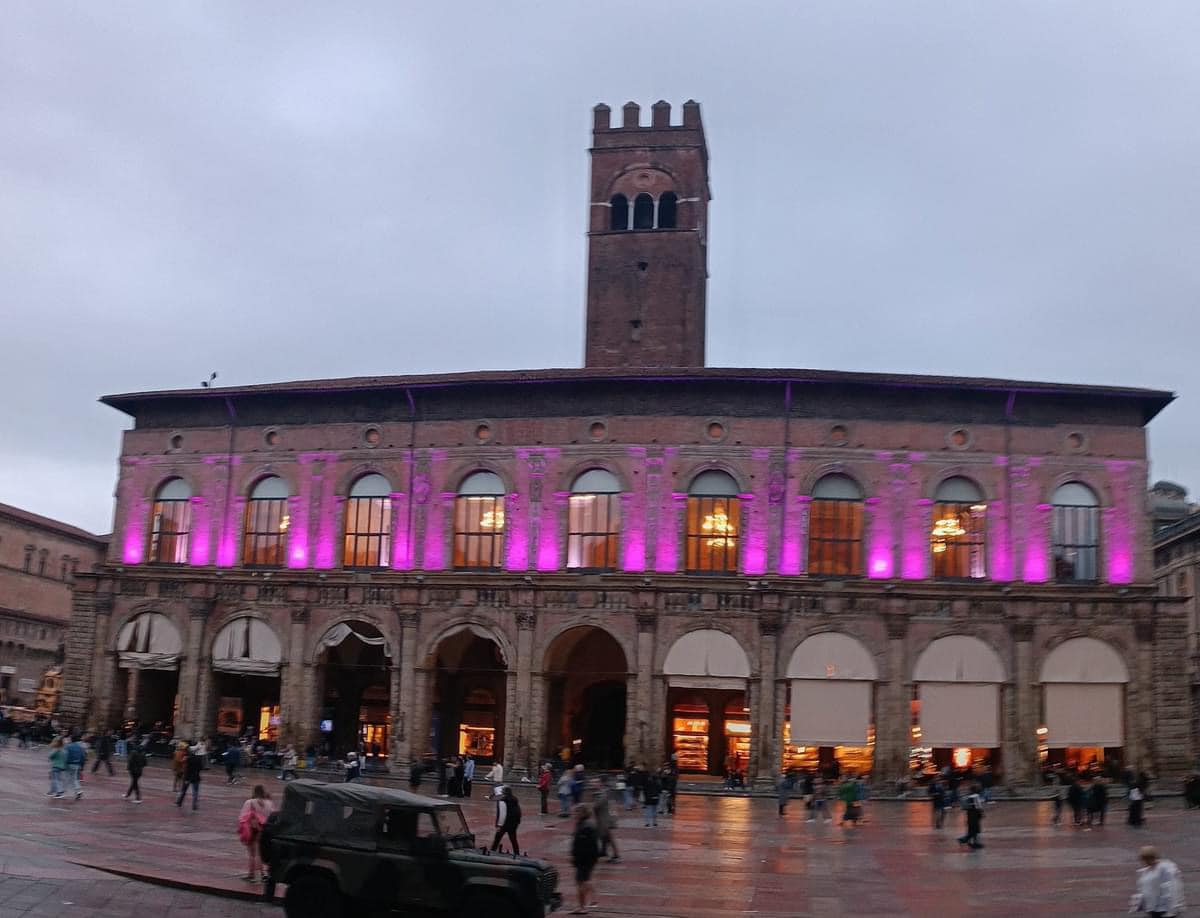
651	792
251	820
191	775
508	819
135	764
232	757
585	852
972	806
1159	891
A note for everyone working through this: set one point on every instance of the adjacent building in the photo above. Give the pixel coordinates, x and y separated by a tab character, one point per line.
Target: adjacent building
746	568
39	560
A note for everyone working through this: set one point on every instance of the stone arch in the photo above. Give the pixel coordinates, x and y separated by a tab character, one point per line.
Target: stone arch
856	472
832	654
251	477
220	632
965	657
586	671
566	477
315	638
471	663
705	648
1084	659
691	472
1101	489
588	620
971	473
849	627
617	184
479	626
348	476
463	470
175	470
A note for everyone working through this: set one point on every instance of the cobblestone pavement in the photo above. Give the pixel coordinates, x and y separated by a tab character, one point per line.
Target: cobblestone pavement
717	857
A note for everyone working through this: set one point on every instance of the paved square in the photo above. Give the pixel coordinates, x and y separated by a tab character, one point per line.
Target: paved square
716	857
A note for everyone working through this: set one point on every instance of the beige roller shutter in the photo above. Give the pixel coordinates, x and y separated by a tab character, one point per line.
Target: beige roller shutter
1085	714
960	714
830	712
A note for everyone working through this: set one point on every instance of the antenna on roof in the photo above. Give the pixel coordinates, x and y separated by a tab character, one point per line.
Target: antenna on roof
207	383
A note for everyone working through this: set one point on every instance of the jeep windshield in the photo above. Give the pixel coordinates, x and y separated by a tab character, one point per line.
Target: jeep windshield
453	827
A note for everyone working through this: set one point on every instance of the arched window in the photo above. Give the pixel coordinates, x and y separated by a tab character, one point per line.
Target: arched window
593	521
368	536
265	538
835	528
1076	532
479	522
171	523
666	210
643	212
619	219
713	516
958	537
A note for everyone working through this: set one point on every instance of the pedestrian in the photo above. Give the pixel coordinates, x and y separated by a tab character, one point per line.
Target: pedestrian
468	775
192	766
508	818
104	750
1059	793
972	806
1076	799
178	764
651	792
606	820
288	763
232	757
585	851
251	820
625	786
543	784
564	794
353	768
783	791
1097	803
457	769
848	794
58	764
577	784
1137	801
636	782
1159	891
76	757
670	783
937	800
135	764
415	771
820	808
495	776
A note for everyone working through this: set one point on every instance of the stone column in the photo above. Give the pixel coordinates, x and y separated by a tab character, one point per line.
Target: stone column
1021	711
98	707
404	715
190	718
766	759
291	672
523	711
1139	723
131	691
639	718
893	729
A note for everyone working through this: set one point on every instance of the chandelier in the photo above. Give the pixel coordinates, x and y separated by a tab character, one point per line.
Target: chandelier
723	530
492	519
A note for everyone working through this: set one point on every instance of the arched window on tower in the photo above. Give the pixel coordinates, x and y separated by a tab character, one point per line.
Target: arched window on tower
170	523
713	517
368	523
479	522
666	210
267	521
593	521
643	212
620	212
1076	528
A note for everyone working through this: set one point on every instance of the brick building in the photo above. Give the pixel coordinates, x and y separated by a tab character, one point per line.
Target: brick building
39	559
1177	569
744	567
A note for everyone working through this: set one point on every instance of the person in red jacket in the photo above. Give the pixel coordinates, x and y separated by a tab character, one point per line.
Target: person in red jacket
544	788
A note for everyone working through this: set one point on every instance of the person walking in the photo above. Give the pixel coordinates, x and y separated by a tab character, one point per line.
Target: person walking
468	775
76	757
670	784
193	765
58	764
251	820
288	763
972	806
135	764
1137	801
585	851
104	751
848	794
508	819
1097	802
1059	794
783	791
651	792
564	794
1159	890
606	820
353	768
937	801
577	785
543	785
178	765
1076	799
820	808
495	775
232	757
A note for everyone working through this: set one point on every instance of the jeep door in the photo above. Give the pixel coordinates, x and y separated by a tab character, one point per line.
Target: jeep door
398	879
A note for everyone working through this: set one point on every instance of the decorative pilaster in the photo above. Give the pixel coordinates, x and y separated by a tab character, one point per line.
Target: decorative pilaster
524	713
893	733
1021	710
405	718
766	757
194	673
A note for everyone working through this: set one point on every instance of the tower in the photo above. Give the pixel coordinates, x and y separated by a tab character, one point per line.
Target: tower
647	240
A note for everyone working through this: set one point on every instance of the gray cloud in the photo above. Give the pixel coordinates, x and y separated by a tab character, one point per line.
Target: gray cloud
280	191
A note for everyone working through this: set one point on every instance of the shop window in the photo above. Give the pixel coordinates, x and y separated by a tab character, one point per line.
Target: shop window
593	521
479	522
619	206
689	728
171	523
958	537
835	528
713	517
368	535
266	526
1076	533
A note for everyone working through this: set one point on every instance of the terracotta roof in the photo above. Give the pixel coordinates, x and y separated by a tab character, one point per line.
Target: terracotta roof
44	522
1154	399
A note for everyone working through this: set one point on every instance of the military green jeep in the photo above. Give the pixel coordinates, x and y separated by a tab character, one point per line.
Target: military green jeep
350	849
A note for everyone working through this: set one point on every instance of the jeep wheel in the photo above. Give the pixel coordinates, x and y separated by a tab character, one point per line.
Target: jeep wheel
312	897
491	906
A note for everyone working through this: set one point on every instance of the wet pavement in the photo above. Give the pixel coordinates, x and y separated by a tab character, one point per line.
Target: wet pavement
716	857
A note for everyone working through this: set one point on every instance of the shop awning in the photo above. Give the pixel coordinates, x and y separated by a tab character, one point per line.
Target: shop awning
1085	714
707	659
247	646
149	641
830	712
959	714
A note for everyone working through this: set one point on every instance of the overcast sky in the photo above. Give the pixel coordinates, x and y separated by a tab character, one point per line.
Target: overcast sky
287	190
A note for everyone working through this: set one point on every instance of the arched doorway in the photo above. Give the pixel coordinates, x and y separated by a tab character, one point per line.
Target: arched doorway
1083	726
586	675
246	657
708	703
355	663
148	652
469	696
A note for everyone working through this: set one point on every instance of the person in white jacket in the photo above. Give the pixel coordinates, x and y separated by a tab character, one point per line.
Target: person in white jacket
1159	886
